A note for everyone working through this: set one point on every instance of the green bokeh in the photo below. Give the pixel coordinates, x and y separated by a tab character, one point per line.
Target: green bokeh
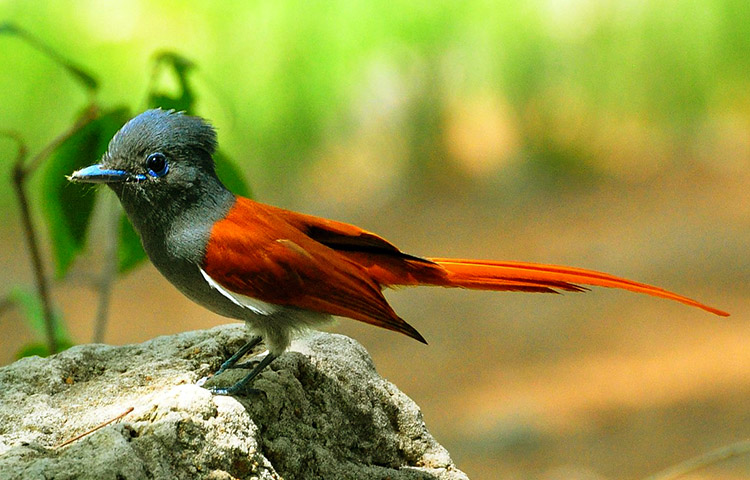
282	79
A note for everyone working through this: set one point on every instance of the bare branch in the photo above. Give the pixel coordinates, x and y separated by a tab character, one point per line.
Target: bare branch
89	432
702	461
109	271
19	177
21	171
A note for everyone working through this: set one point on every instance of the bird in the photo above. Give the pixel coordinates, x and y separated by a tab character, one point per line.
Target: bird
280	271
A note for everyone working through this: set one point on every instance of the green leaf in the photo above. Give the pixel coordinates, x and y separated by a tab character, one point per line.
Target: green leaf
33	312
41	349
130	252
68	206
230	175
31	349
30	306
180	67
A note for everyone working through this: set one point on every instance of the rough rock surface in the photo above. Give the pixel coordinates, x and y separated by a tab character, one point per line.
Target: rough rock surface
323	413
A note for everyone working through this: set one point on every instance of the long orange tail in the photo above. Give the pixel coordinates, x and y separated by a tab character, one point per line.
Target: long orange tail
532	277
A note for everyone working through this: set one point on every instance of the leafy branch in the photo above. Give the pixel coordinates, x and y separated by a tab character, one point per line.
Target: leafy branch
68	208
21	171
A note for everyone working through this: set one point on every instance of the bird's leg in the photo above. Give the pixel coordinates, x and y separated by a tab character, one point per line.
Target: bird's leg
231	361
249	364
241	386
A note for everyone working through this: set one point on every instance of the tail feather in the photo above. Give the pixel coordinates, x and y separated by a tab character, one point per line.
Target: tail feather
521	276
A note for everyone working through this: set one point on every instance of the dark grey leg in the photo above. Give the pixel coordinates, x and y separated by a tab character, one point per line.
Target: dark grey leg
239	354
241	386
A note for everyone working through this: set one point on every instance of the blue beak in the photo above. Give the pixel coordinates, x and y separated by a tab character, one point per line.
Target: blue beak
98	174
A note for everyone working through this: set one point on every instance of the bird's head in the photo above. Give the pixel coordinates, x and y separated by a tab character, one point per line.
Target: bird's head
158	162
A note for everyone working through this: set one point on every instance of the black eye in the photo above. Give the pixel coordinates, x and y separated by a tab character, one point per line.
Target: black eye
157	164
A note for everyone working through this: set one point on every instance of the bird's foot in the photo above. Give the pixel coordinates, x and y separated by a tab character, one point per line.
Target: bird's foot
232	361
235	389
242	387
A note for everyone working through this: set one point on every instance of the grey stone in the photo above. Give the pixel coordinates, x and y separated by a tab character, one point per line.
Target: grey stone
323	412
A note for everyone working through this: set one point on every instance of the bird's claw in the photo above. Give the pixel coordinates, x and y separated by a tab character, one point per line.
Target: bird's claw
235	389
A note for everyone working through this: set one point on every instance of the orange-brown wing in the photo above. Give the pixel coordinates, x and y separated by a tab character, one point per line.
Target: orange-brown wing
257	253
389	266
288	258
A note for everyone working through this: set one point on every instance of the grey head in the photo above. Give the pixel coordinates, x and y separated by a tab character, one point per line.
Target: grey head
160	166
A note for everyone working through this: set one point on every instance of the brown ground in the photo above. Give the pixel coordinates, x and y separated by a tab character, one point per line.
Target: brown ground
606	385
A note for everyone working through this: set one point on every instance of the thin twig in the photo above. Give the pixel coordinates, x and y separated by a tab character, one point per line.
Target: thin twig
89	432
109	271
19	177
21	171
702	461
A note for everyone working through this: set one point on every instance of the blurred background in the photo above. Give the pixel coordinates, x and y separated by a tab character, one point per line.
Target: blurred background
607	135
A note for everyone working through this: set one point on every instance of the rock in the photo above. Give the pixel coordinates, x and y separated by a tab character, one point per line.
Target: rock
323	412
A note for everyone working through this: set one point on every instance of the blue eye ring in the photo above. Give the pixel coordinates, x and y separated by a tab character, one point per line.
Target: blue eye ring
157	164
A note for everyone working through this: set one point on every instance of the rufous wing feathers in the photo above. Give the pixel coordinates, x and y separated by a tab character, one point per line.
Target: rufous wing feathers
287	258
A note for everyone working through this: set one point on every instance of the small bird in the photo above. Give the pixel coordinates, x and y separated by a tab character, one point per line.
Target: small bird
281	271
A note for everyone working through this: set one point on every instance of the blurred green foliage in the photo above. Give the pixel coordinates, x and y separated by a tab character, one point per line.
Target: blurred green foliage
542	93
582	86
31	307
68	207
